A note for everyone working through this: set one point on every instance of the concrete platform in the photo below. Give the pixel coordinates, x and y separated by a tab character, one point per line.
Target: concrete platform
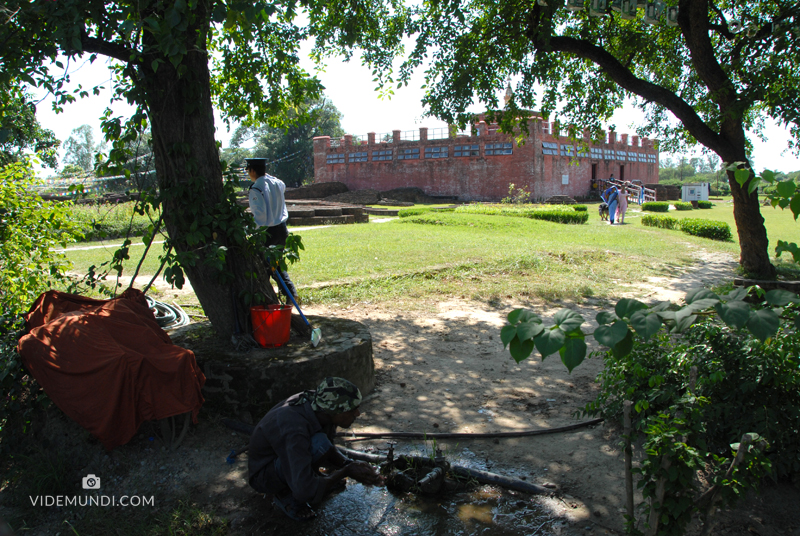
247	385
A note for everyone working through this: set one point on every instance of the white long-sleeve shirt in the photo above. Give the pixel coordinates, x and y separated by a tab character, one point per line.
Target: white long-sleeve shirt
267	201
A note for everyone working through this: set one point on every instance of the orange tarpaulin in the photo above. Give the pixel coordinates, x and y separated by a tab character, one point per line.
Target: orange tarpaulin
107	364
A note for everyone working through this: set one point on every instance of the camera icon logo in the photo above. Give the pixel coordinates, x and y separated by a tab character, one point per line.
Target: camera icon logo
91	482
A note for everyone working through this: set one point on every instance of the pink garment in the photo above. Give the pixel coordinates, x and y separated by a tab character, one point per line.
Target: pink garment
622	207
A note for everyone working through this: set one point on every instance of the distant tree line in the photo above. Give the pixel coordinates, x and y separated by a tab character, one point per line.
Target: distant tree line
678	170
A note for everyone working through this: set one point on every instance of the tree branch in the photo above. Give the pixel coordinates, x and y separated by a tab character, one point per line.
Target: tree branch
623	77
112	50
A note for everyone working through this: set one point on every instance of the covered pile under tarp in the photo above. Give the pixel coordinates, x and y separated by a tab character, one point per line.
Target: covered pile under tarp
107	364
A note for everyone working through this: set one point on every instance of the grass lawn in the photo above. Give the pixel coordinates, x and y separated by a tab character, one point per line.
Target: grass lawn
483	257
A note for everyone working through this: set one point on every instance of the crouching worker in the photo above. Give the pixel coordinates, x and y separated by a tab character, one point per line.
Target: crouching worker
295	439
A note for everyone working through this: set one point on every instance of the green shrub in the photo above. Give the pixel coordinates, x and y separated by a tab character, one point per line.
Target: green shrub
715	230
680	205
31	230
662	222
655	206
555	213
580	208
560	215
704	204
749	386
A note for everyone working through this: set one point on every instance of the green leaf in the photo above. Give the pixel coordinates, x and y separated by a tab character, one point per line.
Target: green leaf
786	188
626	307
736	294
683	320
568	320
700	294
734	313
763	324
781	297
768	176
529	330
507	334
794	206
520	350
753	185
550	341
522	315
699	305
573	352
741	176
660	306
624	347
611	335
605	317
646	325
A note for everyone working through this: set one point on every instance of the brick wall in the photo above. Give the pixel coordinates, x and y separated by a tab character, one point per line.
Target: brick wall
466	167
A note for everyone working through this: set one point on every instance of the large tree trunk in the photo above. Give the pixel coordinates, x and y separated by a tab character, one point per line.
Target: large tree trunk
190	179
753	241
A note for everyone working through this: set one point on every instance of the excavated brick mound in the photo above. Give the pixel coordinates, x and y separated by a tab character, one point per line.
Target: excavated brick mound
316	191
560	200
394	203
357	197
409	194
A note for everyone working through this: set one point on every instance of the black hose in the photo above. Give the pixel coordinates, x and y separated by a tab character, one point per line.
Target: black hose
248	429
364	436
167	316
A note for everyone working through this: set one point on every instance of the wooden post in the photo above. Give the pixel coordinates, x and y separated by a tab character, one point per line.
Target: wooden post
692	378
628	460
655	513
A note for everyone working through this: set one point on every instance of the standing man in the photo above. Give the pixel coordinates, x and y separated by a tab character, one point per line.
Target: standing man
295	438
268	205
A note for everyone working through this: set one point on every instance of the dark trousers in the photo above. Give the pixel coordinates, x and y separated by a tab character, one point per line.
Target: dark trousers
277	237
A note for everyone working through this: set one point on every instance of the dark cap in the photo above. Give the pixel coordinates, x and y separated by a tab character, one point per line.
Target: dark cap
255	161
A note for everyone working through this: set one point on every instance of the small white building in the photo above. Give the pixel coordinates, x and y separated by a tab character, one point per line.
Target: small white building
695	192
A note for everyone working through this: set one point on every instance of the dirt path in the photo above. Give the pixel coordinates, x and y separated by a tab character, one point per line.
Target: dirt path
442	367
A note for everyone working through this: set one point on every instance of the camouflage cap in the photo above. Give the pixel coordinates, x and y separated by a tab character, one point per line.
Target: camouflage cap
336	395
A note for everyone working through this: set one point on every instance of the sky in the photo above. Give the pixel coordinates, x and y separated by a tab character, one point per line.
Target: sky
350	88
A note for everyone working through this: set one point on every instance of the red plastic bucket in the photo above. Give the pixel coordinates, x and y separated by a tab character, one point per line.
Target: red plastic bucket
271	324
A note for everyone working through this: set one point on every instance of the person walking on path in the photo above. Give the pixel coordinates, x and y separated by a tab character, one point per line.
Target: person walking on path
623	206
268	205
610	198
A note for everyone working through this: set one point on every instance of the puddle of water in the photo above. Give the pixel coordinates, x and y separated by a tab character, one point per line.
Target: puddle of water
368	511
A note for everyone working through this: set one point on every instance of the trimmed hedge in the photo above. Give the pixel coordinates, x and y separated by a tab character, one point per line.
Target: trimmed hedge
580	208
655	206
715	230
560	216
680	205
704	204
662	222
555	213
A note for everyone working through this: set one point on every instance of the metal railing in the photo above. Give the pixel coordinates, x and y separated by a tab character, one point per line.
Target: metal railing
441	133
410	135
385	137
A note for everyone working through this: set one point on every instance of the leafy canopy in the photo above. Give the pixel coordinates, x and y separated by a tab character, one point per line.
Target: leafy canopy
713	79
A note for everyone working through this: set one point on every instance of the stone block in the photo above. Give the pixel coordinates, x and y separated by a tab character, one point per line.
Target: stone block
253	382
